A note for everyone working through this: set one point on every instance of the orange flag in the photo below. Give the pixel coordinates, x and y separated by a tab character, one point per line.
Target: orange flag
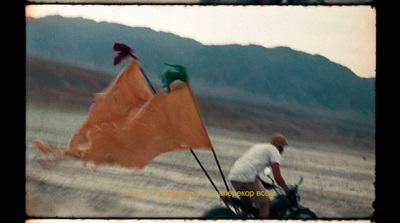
128	125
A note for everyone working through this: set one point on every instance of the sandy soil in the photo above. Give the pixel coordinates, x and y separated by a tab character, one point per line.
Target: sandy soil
337	183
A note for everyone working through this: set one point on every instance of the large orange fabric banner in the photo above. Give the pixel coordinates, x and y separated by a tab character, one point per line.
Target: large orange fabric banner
128	125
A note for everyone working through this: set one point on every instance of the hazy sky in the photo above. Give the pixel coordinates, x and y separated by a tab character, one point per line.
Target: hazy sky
344	34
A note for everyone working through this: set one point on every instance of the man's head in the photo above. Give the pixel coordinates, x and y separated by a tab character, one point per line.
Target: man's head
279	141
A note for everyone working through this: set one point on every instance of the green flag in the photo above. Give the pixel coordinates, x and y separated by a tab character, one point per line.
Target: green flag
170	76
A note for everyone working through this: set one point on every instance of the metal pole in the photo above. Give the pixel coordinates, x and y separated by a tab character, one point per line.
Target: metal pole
209	178
148	81
220	169
195	156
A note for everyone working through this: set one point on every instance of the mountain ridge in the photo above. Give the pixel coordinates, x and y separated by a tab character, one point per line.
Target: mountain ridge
70	87
253	73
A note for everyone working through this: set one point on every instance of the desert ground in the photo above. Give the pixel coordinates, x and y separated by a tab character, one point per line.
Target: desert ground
337	183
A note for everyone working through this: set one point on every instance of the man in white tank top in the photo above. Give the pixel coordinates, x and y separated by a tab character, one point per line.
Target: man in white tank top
244	172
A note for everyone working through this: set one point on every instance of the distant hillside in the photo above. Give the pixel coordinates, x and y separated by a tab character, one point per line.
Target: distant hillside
256	74
63	85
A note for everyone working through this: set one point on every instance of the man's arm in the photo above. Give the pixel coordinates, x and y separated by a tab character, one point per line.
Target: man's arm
276	170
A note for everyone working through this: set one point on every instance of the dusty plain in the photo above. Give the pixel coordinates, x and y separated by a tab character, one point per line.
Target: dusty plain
338	183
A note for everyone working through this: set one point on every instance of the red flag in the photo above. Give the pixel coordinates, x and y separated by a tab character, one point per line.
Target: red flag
124	52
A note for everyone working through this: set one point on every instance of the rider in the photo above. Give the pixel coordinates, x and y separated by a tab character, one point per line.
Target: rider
244	172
